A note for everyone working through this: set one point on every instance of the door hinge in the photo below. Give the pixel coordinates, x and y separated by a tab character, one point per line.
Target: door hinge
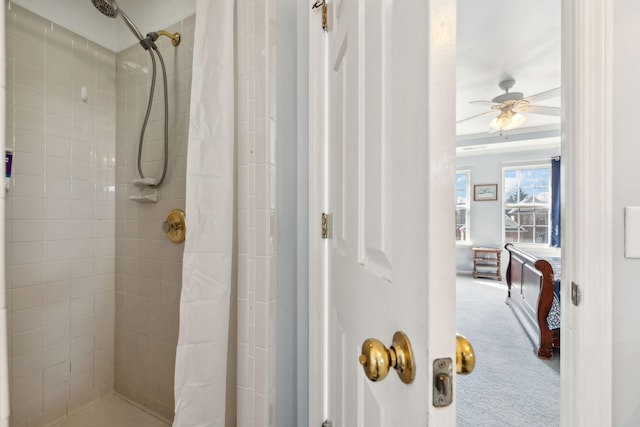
325	226
326	423
323	5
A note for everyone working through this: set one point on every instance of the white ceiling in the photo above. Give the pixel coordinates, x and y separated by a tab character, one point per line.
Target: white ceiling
499	38
83	18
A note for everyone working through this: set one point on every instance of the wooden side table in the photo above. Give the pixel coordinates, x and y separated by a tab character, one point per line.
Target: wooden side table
486	263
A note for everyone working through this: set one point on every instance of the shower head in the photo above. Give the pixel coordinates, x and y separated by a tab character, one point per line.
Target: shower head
107	7
110	8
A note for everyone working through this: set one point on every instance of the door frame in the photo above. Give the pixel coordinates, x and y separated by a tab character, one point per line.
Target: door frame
586	368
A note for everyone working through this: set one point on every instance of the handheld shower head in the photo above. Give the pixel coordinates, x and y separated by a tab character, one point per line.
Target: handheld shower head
110	8
107	7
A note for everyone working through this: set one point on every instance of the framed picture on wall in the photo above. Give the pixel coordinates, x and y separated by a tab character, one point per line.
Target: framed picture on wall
485	192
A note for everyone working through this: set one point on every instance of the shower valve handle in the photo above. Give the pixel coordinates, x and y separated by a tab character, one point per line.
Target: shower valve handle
175	226
170	226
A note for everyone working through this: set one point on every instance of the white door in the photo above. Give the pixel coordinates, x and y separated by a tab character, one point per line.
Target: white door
389	192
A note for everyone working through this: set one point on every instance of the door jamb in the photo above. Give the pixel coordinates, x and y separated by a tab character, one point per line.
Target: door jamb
587	137
318	399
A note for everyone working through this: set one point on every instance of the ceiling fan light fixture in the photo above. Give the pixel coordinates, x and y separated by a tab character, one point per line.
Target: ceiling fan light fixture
507	120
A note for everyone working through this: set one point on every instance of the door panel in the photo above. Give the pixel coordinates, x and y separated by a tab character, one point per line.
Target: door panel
374	151
388	175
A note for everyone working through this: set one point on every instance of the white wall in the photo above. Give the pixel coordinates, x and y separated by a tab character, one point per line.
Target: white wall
486	217
626	158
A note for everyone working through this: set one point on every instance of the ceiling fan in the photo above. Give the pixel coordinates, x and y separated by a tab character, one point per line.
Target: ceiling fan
511	106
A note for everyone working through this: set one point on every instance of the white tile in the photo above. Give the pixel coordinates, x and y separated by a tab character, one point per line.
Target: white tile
83	229
81	307
25	208
104	356
28	164
56	292
56	375
27	319
57	209
81	384
57	229
56	271
28	186
26	408
28	363
105	337
81	208
58	147
27	275
29	75
81	326
104	320
56	188
56	354
26	386
106	301
27	252
58	126
83	191
27	141
81	248
57	395
27	342
82	365
56	312
27	230
57	334
29	97
81	345
57	250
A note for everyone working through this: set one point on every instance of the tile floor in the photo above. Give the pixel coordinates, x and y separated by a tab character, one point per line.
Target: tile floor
110	411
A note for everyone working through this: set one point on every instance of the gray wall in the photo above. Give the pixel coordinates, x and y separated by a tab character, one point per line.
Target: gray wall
485	223
292	381
626	155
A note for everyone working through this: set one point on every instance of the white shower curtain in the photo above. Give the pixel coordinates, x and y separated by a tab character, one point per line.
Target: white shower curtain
201	360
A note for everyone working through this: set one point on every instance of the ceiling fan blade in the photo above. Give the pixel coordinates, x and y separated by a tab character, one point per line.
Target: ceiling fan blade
477	115
553	93
487	103
541	109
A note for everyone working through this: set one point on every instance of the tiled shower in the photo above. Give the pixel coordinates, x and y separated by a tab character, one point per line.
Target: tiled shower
93	284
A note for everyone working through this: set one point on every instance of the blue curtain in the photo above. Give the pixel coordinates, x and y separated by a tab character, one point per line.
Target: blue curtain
555	202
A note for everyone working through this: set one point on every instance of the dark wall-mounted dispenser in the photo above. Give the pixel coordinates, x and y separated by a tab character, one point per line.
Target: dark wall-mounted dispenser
8	160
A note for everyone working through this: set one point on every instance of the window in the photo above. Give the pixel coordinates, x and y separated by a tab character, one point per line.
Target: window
462	206
527	203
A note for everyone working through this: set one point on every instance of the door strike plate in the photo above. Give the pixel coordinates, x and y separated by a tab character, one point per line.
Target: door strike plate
442	382
575	294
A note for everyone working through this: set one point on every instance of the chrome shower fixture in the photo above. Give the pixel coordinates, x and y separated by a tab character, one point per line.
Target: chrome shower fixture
110	8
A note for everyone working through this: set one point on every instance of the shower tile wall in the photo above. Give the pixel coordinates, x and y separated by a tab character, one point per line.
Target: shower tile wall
60	218
148	265
257	224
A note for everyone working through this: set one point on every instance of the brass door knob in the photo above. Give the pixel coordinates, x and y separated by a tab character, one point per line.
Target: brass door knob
175	226
465	355
376	359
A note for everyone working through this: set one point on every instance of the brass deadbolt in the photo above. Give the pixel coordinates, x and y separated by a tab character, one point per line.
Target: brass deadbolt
376	359
175	226
465	355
